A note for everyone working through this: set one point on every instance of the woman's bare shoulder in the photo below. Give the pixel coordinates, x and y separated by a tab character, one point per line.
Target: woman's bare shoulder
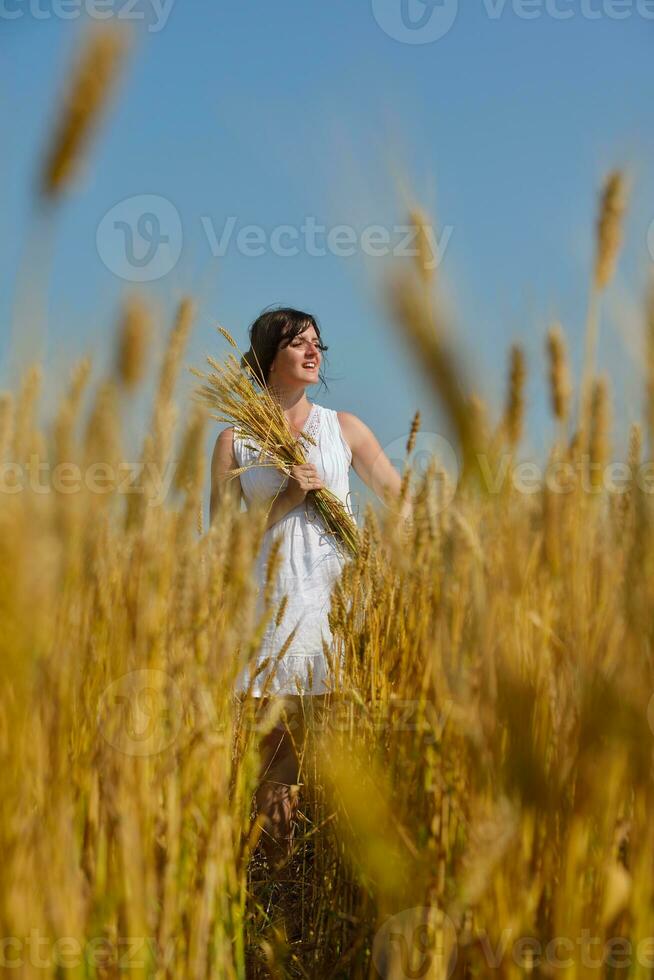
351	425
348	418
224	442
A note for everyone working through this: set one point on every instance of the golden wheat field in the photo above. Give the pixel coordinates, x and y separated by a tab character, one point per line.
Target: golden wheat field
477	801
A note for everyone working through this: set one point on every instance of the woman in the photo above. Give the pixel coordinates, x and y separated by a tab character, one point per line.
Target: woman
286	354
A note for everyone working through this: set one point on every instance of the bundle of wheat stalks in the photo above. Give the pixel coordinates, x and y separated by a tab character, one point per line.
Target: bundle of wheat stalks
258	415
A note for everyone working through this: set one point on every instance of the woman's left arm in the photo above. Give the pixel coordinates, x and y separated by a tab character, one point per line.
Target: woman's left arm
370	462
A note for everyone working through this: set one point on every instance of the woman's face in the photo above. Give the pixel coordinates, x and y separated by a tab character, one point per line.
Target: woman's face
298	363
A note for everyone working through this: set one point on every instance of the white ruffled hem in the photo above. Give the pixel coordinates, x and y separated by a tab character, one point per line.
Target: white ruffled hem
310	670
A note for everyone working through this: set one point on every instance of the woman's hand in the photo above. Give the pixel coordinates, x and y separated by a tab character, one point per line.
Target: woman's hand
302	479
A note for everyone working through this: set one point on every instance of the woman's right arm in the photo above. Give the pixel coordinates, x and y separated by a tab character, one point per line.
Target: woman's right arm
223	461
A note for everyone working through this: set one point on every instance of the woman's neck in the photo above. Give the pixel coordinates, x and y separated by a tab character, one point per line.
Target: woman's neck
296	407
294	402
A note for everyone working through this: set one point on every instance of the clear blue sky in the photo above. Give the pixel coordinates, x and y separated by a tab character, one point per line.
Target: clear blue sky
274	113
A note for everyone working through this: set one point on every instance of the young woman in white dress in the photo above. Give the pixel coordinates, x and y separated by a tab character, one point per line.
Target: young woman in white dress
289	351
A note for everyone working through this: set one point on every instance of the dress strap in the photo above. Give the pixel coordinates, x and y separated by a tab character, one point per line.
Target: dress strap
312	427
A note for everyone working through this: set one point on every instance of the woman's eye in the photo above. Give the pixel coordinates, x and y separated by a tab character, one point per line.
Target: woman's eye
318	346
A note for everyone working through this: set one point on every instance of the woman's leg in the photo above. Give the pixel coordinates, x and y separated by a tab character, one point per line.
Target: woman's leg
282	753
277	794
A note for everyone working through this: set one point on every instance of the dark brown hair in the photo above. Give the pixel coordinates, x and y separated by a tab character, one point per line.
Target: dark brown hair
272	331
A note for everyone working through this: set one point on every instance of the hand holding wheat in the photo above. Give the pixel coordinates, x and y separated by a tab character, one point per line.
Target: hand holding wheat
304	478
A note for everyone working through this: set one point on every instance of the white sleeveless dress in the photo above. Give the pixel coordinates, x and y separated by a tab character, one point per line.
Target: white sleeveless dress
310	561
